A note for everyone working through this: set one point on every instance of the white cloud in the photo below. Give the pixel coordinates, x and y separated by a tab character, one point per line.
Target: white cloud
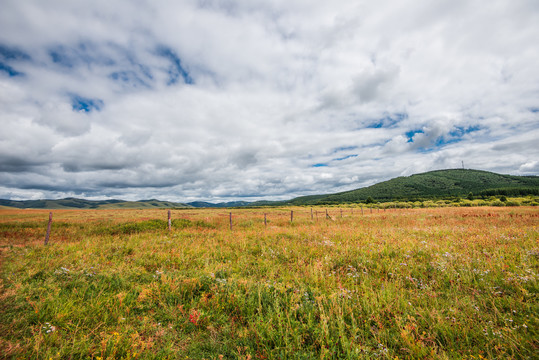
370	90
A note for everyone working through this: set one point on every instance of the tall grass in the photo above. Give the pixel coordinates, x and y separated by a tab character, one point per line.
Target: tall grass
447	283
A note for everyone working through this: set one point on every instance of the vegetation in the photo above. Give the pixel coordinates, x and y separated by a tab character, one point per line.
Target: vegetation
73	203
441	184
433	185
442	283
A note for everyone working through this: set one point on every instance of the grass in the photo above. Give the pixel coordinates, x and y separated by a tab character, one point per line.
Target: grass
442	283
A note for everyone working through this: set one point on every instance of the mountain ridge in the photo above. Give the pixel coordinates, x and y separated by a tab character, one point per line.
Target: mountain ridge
431	184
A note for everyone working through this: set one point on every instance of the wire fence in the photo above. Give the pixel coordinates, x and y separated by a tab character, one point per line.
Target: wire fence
218	218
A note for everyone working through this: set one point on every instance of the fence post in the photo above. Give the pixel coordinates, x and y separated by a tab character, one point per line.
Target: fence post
265	221
371	209
230	216
48	229
327	215
311	213
361	209
169	221
341	212
291	215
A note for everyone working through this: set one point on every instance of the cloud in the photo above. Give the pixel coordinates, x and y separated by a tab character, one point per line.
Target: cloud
213	100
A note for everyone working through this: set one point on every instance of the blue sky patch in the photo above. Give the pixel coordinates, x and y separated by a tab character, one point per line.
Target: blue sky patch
58	56
344	148
9	53
388	121
346	157
9	70
320	165
83	53
79	103
410	134
128	78
175	70
441	141
460	131
376	125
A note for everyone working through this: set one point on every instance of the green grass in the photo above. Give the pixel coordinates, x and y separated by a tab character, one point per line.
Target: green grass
447	283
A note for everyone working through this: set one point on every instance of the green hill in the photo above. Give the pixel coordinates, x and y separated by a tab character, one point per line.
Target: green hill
433	184
429	185
73	203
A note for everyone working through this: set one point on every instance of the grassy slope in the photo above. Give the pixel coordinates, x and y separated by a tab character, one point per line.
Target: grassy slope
430	184
73	203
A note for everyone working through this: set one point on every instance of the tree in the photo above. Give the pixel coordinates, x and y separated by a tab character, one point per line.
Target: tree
369	200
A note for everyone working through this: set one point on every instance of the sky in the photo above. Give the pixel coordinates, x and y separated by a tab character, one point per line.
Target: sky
247	100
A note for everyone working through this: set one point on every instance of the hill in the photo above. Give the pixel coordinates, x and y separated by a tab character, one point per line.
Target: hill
74	203
429	185
204	204
432	184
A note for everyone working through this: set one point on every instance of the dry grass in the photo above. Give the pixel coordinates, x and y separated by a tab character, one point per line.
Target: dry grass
445	283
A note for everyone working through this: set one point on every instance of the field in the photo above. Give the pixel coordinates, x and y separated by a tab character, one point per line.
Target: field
440	283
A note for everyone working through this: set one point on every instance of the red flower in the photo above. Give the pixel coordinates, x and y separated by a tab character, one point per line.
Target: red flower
194	317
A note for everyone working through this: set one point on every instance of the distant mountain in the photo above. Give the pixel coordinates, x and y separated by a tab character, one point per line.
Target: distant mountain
432	184
74	203
203	204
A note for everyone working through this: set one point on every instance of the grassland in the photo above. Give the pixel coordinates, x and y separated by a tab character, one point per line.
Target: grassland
441	283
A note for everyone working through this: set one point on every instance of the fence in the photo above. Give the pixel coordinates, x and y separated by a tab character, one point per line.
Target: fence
238	217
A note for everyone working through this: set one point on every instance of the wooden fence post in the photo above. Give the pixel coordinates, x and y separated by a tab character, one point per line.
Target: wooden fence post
230	216
265	221
169	221
291	215
311	213
361	209
48	229
341	212
327	215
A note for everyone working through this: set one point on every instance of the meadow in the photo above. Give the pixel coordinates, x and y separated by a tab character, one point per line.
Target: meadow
435	283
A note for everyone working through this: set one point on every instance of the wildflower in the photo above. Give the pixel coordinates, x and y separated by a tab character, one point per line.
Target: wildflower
194	317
